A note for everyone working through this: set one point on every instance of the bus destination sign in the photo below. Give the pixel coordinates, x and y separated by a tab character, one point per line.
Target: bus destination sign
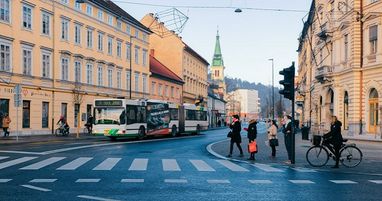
105	103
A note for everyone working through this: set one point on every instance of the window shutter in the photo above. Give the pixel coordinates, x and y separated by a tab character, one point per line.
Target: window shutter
373	33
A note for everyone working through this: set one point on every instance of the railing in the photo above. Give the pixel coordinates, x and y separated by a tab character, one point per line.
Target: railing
323	72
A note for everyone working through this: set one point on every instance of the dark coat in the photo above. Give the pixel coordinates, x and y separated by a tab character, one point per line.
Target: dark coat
236	128
252	131
334	136
287	130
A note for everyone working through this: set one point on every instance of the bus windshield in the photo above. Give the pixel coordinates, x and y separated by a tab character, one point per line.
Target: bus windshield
110	116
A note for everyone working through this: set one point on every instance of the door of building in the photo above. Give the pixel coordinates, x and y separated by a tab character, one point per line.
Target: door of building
373	121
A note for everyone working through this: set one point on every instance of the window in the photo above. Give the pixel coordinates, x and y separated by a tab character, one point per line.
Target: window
128	29
190	115
160	89
373	1
100	42
165	93
89	40
5	56
89	9
174	114
65	68
76	113
26	114
89	73
45	115
172	92
144	37
65	1
373	38
110	45
64	110
119	24
177	92
77	71
136	82
100	15
144	57
136	33
27	17
119	84
346	47
27	60
64	29
77	5
110	20
4	109
128	77
128	51
100	75
46	60
152	88
144	83
77	34
110	77
45	24
4	10
136	55
119	49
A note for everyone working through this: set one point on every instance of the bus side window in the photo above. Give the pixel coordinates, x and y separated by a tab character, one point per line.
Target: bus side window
190	115
141	115
122	117
131	115
174	115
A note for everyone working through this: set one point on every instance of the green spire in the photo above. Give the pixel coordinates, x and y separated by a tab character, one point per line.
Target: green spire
218	59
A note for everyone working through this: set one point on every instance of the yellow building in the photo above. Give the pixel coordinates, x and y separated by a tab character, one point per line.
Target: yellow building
182	60
65	54
340	67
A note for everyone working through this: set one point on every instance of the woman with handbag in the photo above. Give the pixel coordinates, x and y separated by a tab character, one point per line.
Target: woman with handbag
252	135
272	137
235	135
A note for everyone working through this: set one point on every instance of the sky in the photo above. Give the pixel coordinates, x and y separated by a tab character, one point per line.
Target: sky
248	39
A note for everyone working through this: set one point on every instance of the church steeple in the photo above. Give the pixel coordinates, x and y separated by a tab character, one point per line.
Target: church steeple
218	58
217	69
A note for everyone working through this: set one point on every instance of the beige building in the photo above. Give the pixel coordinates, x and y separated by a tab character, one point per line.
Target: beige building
182	60
245	103
65	54
340	67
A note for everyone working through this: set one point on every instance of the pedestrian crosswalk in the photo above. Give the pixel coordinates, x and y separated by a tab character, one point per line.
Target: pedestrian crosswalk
136	164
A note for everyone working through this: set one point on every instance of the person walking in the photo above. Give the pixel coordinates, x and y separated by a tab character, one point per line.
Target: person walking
6	122
288	137
252	135
335	139
235	137
272	135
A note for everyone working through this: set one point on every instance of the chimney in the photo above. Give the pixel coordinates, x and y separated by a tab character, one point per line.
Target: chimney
152	52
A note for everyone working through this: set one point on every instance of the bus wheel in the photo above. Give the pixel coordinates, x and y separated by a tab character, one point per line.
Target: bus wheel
174	132
141	133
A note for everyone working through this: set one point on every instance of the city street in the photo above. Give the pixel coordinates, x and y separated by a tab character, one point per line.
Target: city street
183	168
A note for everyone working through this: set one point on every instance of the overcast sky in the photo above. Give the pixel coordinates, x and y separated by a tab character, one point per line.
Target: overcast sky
248	39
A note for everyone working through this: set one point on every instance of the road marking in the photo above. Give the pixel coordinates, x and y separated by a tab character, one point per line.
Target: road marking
299	169
170	165
75	164
3	157
36	188
232	166
200	165
260	181
95	198
21	152
107	164
376	181
87	180
132	180
139	164
343	181
218	181
15	162
301	181
175	181
43	163
5	180
266	168
42	180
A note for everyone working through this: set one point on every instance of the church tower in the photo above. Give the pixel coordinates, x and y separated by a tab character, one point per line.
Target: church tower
217	68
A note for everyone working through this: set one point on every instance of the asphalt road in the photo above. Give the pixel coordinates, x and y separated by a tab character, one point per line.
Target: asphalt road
163	169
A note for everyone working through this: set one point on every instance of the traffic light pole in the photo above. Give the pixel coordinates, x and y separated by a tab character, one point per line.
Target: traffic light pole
293	144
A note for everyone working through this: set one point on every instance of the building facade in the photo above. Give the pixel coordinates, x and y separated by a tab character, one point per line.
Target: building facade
216	110
340	67
245	103
65	54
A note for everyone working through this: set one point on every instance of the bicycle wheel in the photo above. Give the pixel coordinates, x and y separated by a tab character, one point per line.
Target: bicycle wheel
317	156
350	156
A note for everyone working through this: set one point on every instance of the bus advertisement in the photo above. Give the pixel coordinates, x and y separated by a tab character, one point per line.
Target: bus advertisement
158	118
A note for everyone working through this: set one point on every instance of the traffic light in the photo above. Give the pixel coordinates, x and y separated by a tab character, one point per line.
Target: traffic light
288	82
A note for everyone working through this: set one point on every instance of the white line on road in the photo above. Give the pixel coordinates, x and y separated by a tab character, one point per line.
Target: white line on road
42	180
218	181
175	181
139	164
260	181
43	163
343	181
376	181
232	166
3	157
15	162
266	168
301	181
36	188
202	166
75	164
132	180
95	198
299	169
170	165
5	180
107	164
88	180
21	152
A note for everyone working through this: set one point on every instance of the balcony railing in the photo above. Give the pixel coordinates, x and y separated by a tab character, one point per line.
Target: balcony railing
324	72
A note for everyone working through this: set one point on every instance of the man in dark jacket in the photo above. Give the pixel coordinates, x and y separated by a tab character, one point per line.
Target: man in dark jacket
334	138
252	135
235	138
287	130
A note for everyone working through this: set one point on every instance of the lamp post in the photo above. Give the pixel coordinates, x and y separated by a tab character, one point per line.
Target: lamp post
273	89
131	50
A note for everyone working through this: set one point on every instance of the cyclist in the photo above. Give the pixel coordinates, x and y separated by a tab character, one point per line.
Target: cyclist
334	138
64	127
89	123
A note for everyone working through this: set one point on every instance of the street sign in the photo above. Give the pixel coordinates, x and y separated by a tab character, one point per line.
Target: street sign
18	89
17	100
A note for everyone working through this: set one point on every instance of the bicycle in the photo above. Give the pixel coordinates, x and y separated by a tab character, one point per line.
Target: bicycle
61	131
318	155
87	130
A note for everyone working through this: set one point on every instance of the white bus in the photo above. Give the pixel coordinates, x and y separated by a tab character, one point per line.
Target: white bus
195	118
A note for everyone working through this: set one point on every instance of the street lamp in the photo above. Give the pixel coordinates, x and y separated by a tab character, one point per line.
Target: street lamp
273	89
131	50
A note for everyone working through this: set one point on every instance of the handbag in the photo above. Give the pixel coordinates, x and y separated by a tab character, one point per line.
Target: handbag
252	147
229	134
274	142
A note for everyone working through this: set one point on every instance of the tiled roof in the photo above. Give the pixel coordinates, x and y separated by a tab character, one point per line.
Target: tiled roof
157	68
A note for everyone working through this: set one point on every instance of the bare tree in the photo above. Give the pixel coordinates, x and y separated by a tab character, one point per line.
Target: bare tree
78	96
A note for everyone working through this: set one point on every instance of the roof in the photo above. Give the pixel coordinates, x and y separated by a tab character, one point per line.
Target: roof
307	24
195	54
160	70
119	12
218	59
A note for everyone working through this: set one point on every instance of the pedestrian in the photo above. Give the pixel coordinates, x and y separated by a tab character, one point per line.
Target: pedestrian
252	135
6	122
287	130
334	138
272	136
235	127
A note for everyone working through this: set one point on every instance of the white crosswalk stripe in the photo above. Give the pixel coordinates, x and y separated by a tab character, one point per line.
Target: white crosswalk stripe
3	157
376	181
202	166
15	162
139	164
132	180
5	180
75	164
298	169
175	181
343	181
42	180
260	181
301	181
88	180
232	166
267	168
218	181
170	165
43	163
107	164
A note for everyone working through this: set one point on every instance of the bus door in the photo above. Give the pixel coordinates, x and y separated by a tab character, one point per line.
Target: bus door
181	119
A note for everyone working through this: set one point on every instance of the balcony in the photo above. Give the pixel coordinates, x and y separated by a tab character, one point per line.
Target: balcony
323	73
